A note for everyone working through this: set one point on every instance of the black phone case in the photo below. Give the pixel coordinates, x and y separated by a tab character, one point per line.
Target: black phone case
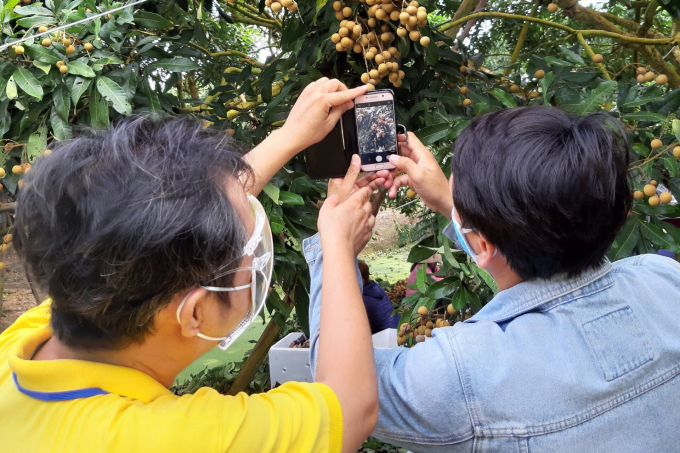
331	157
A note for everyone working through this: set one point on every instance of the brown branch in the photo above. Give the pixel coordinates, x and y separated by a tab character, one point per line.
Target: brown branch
8	207
228	53
520	39
650	12
470	23
465	8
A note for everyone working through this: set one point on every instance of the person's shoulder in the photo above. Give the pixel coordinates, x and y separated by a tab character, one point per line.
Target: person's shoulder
654	264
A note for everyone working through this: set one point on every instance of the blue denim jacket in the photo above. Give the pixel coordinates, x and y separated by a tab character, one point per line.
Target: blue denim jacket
588	364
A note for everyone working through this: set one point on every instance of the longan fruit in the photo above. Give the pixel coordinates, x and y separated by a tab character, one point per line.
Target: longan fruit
386	55
597	58
365	77
429	325
369	55
414	35
641	71
339	47
5	247
654	201
2	266
403	326
17	170
379	58
514	89
382	69
463	68
276	7
401	341
428	332
47	152
42	29
60	64
665	198
425	41
343	32
2	172
410	193
656	143
8	237
463	90
402	74
19	50
394	15
421	15
676	152
423	310
649	77
467	102
445	323
381	14
357	48
662	79
404	16
46	42
397	84
393	77
641	78
553	7
335	38
337	6
539	74
66	41
393	51
411	10
649	190
230	132
356	29
338	15
346	42
63	69
450	310
372	22
638	195
370	87
70	50
374	74
653	182
402	32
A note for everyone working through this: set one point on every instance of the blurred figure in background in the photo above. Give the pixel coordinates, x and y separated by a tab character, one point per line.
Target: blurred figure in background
378	305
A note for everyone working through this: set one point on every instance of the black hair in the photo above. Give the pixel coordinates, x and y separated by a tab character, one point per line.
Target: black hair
550	190
113	223
363	269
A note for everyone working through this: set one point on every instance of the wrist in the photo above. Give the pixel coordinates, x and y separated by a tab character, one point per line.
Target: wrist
288	141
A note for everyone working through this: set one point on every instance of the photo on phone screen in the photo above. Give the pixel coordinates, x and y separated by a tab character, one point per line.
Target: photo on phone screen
376	132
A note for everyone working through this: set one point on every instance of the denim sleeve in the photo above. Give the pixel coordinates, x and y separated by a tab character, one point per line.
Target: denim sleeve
311	247
422	404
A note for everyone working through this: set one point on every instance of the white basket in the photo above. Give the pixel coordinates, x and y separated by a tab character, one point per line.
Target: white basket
292	364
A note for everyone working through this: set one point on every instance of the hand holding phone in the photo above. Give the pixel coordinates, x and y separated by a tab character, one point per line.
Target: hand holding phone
376	128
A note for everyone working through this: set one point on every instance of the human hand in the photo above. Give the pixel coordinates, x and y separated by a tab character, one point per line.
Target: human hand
422	173
347	224
317	110
344	187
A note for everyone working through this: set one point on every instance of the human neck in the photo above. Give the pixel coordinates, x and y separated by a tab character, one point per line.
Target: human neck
506	278
151	357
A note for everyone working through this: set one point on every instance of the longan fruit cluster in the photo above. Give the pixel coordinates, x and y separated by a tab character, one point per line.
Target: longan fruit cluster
278	5
428	320
368	31
21	169
643	76
397	292
649	190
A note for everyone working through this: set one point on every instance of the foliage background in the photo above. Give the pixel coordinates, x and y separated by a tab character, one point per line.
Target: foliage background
240	68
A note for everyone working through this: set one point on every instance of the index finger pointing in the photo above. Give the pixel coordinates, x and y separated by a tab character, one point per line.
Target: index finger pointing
341	97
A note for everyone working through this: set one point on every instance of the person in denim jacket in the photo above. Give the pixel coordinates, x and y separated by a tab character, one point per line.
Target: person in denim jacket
574	354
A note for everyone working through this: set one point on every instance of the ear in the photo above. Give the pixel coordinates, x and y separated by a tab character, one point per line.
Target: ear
192	313
485	250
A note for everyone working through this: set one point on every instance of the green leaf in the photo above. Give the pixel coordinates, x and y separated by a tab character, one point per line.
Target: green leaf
430	134
33	10
449	256
505	98
62	102
272	191
676	129
421	278
625	242
431	54
36	21
37	142
154	101
488	279
152	20
598	96
60	128
658	237
572	56
79	68
112	92
11	89
40	53
44	67
442	288
99	110
28	83
290	198
546	82
459	300
645	116
671	164
174	65
79	87
419	253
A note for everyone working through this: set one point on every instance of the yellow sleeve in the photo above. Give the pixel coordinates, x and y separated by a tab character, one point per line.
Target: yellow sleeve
34	318
296	417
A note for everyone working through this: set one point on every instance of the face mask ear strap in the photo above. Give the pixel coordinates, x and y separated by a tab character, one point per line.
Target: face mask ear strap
181	304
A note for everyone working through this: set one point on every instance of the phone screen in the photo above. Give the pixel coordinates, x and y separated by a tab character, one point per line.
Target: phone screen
376	131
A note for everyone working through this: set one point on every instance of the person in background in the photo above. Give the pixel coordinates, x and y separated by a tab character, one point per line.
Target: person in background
378	305
431	266
150	241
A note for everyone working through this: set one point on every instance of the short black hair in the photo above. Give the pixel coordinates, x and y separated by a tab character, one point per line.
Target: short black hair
549	189
114	222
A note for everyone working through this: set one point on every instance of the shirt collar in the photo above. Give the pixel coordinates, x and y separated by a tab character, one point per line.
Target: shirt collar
541	295
64	376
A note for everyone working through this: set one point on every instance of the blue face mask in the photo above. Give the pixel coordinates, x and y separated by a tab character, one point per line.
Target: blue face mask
456	234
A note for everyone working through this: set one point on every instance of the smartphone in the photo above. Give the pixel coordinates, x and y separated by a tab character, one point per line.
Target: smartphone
376	129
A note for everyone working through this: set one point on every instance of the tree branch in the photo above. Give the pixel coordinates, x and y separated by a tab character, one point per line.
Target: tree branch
228	53
650	12
520	39
465	8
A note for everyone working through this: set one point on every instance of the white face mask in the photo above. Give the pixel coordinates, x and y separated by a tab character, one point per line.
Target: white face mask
261	247
457	236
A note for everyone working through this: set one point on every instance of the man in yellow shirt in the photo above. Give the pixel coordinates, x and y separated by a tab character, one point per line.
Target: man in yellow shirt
152	247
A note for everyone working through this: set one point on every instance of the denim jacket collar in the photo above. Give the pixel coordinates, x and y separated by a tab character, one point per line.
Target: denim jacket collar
541	295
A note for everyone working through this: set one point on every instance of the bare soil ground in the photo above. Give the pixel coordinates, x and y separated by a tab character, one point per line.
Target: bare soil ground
17	295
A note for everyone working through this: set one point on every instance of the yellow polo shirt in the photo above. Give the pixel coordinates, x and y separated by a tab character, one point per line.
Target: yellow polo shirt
78	406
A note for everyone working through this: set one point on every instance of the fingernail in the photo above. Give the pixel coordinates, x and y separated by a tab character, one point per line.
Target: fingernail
393	158
356	160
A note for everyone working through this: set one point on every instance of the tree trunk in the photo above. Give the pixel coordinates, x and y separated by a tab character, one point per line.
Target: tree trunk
466	7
